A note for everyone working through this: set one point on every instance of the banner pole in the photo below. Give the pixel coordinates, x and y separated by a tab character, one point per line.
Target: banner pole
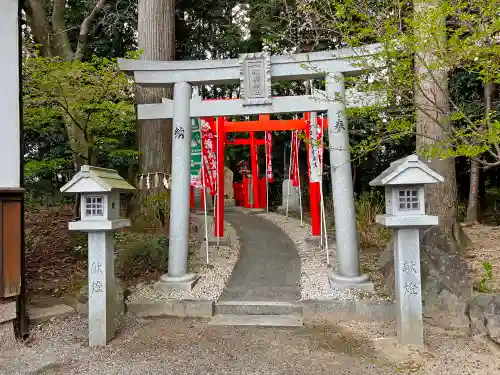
323	220
323	215
205	205
218	187
267	177
298	177
289	174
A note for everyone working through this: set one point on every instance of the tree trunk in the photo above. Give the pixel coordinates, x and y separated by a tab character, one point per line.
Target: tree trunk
36	17
61	45
446	287
432	119
255	42
472	205
156	38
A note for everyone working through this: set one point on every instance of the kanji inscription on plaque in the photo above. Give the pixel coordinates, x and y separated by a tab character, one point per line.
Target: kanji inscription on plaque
255	78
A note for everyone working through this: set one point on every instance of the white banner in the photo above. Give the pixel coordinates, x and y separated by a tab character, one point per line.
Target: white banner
315	149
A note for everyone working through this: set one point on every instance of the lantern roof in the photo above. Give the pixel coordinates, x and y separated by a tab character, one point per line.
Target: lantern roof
407	171
97	180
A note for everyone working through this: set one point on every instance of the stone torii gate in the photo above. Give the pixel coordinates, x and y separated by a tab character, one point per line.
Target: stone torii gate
254	73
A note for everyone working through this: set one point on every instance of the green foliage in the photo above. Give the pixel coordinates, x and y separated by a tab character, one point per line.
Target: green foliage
461	212
152	216
75	110
112	33
208	27
137	254
464	45
482	285
368	205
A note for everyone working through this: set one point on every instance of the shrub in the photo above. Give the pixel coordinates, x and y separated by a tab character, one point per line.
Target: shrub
483	285
368	205
153	212
140	254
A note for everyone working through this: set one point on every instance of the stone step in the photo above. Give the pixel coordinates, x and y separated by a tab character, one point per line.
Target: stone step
290	320
257	308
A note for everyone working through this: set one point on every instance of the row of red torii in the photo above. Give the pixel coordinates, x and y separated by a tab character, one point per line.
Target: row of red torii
313	139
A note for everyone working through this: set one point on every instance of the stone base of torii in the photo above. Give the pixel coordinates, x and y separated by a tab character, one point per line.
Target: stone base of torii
254	73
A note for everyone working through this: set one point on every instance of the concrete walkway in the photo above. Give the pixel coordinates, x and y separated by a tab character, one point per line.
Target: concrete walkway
268	268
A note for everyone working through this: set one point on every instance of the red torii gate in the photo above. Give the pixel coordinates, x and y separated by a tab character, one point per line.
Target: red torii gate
264	123
252	142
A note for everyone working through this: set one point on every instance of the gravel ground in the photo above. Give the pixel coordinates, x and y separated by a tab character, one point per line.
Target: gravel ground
213	276
184	346
314	269
485	241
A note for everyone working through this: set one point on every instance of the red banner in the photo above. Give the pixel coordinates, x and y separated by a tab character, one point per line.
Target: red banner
294	162
319	140
315	150
269	151
209	157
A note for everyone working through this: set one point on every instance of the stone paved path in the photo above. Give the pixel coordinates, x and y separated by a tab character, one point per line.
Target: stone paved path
268	268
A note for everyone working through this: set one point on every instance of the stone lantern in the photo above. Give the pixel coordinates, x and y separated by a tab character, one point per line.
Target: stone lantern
99	191
404	183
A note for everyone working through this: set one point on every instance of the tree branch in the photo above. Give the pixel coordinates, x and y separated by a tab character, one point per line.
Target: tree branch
85	30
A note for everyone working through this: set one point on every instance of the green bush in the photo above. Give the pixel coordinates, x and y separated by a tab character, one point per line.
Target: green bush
461	212
483	285
140	254
153	212
368	205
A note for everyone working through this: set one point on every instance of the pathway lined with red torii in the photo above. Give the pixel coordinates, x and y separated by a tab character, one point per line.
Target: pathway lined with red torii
221	126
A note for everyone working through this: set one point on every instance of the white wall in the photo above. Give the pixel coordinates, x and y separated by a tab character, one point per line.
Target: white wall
9	95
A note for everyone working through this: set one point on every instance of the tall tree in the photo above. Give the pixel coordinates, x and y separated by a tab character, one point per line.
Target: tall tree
475	167
64	29
47	22
156	40
49	30
432	109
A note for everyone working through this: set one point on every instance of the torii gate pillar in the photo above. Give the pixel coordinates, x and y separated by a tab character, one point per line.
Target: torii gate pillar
178	276
347	275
